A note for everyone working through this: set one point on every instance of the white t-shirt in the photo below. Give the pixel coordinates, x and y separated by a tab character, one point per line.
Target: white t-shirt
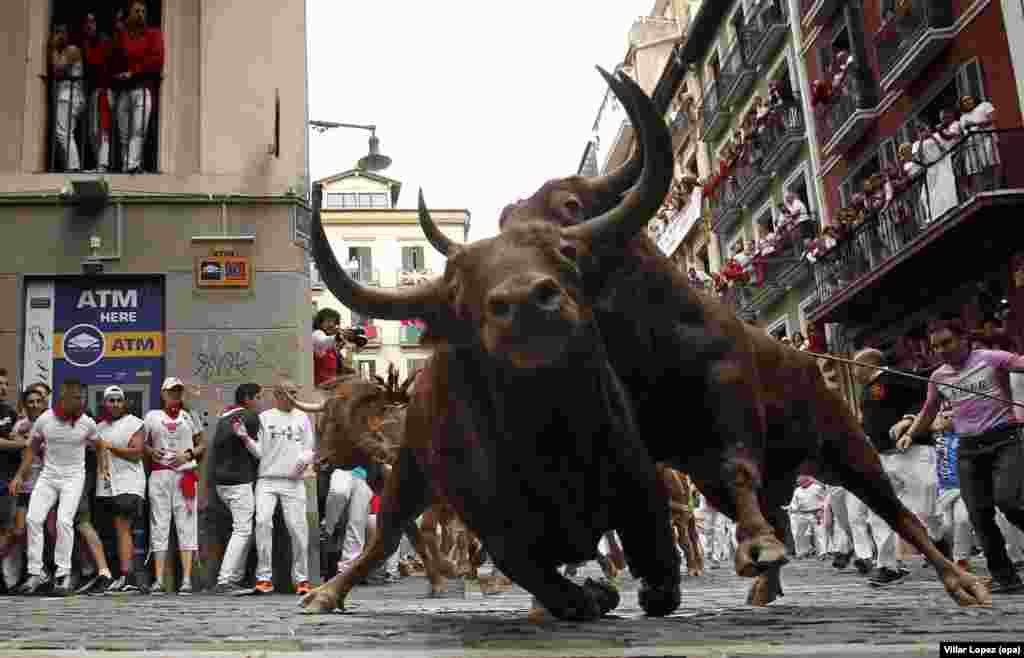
170	435
284	436
126	477
64	442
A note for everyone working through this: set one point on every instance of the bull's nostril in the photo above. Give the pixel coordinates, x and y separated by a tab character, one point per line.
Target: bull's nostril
500	308
546	294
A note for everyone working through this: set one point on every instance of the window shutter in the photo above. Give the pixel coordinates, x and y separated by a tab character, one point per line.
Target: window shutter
407	259
971	81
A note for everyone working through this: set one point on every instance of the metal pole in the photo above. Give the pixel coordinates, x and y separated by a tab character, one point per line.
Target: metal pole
912	376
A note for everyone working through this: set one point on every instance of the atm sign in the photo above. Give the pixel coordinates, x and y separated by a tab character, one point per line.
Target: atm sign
223	271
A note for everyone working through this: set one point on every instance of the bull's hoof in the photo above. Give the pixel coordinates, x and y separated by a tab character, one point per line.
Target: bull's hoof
318	602
695	571
495	584
585	606
766	588
760	555
660	600
965	588
607	596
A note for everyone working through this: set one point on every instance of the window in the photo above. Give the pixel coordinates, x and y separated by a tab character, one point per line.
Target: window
367	368
334	200
315	282
360	262
80	45
412	259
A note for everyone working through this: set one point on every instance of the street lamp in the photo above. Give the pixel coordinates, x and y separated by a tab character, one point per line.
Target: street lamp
372	161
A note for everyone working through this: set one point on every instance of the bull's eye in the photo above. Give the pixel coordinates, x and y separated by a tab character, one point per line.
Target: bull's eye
499	308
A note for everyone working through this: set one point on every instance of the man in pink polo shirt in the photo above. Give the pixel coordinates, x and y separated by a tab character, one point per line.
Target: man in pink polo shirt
991	458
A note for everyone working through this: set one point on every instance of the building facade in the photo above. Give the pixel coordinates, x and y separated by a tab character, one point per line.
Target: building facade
920	188
381	245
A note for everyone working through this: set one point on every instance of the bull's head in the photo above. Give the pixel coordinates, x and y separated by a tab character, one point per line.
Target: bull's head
518	296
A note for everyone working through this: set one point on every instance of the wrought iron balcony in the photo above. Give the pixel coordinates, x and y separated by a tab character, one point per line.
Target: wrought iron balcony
820	10
785	134
716	118
728	211
935	200
767	31
779	271
849	114
740	72
911	38
752	181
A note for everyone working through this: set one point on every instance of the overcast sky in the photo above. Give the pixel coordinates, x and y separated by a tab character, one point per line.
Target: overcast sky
477	104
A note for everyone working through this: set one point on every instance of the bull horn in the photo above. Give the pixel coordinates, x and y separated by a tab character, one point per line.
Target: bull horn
309	407
404	303
609	188
435	237
622	222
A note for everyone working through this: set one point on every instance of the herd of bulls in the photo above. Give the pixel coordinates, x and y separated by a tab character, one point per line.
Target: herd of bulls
570	358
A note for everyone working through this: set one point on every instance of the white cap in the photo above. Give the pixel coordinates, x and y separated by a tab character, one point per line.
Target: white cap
113	392
171	382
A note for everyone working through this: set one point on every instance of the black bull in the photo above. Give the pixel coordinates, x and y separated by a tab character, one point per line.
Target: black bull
745	394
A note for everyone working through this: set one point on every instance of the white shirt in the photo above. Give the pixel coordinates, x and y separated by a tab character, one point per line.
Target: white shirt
284	437
170	435
64	443
808	499
126	477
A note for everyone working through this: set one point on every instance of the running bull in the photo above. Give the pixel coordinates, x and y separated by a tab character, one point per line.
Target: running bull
756	412
519	421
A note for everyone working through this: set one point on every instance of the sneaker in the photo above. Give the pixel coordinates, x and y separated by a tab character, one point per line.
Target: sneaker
35	584
87	583
864	565
63	586
1006	583
303	588
842	560
185	589
100	585
116	586
885	576
231	589
157	589
264	587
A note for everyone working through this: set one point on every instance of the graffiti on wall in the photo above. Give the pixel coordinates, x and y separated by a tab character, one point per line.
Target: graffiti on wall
235	359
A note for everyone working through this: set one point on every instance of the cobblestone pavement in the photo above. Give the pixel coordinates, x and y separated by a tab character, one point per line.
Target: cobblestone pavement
824	613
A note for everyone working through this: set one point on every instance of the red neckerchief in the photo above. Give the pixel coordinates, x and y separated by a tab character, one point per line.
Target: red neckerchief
172	410
58	411
231	408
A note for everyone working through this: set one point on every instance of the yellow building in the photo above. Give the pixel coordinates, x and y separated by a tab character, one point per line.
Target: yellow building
381	245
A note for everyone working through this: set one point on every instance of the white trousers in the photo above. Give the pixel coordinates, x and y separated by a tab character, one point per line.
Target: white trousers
719	536
862	527
914	477
951	522
12	564
134	109
292	496
165	499
241	502
70	103
351	493
99	137
1014	537
391	564
841	539
807	533
64	489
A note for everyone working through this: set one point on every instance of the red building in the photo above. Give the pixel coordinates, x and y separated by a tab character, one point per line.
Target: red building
933	228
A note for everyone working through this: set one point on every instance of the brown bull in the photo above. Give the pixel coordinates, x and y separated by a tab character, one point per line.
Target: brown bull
757	411
538	475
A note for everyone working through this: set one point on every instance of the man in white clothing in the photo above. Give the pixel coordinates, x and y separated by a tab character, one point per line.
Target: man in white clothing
61	434
805	514
286	451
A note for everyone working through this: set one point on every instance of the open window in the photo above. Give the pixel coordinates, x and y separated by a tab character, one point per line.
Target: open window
104	74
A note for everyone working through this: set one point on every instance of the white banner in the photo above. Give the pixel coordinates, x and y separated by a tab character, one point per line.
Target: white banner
39	304
681	223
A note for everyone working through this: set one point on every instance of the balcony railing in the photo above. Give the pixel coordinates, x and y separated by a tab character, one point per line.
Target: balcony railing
715	116
370	277
75	105
785	133
937	193
778	270
739	71
728	210
406	277
849	114
767	31
820	10
911	38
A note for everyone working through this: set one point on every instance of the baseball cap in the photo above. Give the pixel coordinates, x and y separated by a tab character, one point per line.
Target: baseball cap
113	392
172	382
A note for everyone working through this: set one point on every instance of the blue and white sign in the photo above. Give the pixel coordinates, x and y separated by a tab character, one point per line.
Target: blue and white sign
84	345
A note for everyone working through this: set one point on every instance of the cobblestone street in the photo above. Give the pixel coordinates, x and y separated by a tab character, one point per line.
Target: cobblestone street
823	613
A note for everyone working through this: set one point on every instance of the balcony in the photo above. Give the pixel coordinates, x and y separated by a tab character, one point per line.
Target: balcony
785	135
740	72
728	211
407	277
716	118
72	107
967	198
911	40
779	271
850	113
751	181
767	31
366	276
818	12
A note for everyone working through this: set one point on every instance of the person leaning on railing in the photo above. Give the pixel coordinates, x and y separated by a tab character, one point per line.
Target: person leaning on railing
66	70
137	64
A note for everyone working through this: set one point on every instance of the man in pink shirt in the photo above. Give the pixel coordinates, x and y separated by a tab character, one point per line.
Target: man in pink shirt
991	459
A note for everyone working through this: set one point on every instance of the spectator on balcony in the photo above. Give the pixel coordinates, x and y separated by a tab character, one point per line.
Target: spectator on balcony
940	187
138	62
67	72
798	341
97	50
982	152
